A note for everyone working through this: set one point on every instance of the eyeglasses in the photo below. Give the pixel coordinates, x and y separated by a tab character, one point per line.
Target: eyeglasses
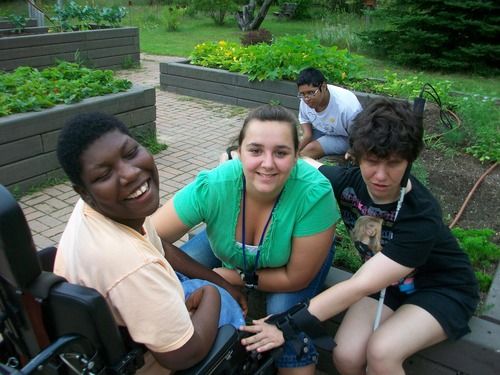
308	95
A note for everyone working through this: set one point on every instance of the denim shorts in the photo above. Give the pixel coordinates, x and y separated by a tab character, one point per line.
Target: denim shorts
331	144
199	248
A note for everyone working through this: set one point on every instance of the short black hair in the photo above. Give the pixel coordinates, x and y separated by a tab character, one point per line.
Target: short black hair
78	134
384	128
268	112
311	76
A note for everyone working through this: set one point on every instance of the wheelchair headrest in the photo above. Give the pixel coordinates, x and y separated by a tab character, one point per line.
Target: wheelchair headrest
18	261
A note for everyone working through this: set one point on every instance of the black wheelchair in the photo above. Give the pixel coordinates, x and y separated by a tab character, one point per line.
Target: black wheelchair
50	326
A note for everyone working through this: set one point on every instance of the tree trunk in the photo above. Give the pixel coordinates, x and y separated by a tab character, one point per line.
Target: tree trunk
245	18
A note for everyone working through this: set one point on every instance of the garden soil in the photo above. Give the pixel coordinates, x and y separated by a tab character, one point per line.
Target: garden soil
451	177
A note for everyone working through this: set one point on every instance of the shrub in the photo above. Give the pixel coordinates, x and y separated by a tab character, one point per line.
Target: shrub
283	59
256	37
172	16
216	9
448	35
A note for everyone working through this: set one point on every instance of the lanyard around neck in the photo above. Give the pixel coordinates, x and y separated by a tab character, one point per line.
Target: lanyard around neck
243	227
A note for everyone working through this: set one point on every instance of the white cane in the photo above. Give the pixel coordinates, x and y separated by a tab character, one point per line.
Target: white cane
381	297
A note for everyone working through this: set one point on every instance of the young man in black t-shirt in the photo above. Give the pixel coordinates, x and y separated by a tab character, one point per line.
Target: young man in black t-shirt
397	226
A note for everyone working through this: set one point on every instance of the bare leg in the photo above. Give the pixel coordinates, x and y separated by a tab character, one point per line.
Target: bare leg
313	150
404	333
353	335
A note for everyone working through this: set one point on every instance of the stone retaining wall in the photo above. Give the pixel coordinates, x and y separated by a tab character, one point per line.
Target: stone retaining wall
103	49
230	88
28	140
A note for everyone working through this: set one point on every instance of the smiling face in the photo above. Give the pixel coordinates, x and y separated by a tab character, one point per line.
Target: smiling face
268	155
120	179
383	177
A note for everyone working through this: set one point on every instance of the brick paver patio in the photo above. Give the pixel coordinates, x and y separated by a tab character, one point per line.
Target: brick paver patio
196	132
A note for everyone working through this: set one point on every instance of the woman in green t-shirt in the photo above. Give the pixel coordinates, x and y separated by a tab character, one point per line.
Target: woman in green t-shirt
270	219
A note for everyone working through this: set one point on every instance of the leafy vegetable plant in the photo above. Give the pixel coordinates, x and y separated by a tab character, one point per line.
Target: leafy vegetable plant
283	59
28	89
74	16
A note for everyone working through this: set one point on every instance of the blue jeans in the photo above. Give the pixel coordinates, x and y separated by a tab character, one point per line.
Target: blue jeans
230	311
199	248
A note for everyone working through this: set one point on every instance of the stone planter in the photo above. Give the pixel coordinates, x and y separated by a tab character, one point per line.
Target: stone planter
230	88
103	49
28	140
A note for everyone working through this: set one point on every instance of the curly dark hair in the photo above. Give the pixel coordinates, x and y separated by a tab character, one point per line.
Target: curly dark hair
268	112
311	76
384	128
78	134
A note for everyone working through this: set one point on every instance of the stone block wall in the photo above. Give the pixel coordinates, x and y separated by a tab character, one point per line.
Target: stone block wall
102	49
28	140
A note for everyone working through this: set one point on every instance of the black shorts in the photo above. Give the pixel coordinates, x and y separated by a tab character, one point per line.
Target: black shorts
450	307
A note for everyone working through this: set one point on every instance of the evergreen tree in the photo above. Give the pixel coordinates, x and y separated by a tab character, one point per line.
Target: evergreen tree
439	34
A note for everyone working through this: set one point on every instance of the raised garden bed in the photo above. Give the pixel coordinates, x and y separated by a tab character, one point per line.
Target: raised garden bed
230	88
476	353
28	140
109	48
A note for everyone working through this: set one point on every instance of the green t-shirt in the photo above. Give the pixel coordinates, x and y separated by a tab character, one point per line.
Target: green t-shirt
306	207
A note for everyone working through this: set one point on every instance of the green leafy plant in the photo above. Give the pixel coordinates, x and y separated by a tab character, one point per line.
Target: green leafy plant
74	16
483	253
28	89
283	59
346	255
478	134
149	140
172	16
129	63
18	23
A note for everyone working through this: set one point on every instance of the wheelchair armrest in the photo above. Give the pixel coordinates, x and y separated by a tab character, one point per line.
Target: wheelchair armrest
226	338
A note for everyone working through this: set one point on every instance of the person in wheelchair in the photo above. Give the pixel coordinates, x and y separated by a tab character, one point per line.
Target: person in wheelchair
109	244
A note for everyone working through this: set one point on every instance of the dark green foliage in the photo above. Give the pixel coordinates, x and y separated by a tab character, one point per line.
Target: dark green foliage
73	16
483	253
346	255
303	8
18	23
28	89
450	35
256	36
